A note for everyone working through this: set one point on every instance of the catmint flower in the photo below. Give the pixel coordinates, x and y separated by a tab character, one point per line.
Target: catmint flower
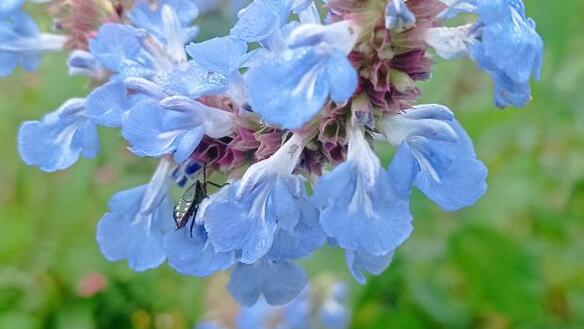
503	42
60	138
119	48
314	66
137	222
214	67
360	208
21	43
436	155
201	259
107	104
267	198
191	253
175	126
398	16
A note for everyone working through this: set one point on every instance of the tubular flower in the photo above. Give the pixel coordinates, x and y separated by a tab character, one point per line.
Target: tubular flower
287	108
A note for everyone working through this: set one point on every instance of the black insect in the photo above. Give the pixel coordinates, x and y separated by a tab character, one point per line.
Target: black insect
188	206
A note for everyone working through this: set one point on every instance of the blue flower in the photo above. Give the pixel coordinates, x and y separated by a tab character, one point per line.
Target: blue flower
503	43
193	81
249	222
509	50
107	104
152	19
360	209
314	66
21	43
222	55
436	155
360	261
277	281
260	19
214	67
398	16
137	222
59	139
176	126
193	254
120	49
302	239
266	199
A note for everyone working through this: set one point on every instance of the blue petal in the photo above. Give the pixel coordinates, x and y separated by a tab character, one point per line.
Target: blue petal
437	156
298	80
187	143
278	282
260	19
223	55
360	261
8	63
119	48
301	240
107	104
57	142
283	204
87	140
193	254
342	78
20	43
398	16
461	177
403	171
509	50
8	7
376	220
234	224
154	131
145	17
143	128
192	80
126	233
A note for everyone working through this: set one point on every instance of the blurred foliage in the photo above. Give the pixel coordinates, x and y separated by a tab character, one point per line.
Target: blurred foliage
514	260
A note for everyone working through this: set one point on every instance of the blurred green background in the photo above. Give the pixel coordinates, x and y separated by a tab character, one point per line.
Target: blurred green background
514	260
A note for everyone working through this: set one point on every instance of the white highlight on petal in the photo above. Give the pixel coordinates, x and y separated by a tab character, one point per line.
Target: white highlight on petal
342	35
449	42
281	163
41	43
217	123
363	156
175	39
157	188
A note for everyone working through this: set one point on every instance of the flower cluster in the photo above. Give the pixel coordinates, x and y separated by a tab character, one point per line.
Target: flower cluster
287	107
